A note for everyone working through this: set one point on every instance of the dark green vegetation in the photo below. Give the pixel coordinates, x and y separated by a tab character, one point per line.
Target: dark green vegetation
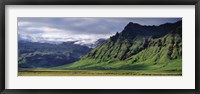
45	55
137	47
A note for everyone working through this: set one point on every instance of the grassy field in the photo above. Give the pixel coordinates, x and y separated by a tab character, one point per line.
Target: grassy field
98	73
170	68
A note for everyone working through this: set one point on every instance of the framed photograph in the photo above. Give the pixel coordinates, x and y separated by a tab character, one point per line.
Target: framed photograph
87	46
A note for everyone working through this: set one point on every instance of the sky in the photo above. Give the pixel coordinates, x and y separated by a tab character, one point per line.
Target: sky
81	30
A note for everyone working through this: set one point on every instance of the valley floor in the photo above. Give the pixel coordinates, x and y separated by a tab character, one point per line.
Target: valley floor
98	73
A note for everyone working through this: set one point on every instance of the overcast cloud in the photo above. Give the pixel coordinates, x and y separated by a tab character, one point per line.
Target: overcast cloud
81	30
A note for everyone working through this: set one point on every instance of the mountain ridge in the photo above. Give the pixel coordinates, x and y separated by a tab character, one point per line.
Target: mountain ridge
137	45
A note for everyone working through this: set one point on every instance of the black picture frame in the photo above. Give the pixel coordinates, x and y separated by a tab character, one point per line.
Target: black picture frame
98	2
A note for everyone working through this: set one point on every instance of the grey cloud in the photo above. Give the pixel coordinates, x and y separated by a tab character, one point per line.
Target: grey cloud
82	30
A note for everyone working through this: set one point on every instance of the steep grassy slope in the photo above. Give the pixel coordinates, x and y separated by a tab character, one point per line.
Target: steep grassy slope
137	48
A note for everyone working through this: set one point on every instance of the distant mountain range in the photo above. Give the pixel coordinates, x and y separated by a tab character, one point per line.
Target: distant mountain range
50	54
35	54
137	47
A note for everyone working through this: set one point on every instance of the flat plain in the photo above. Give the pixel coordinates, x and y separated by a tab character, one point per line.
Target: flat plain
98	73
